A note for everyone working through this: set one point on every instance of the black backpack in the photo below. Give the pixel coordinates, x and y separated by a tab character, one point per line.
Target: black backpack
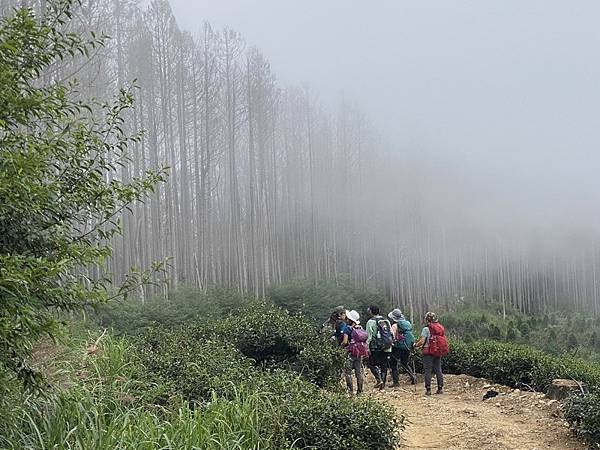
384	338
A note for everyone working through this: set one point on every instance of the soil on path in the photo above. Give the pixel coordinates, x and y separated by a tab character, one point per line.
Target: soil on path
460	419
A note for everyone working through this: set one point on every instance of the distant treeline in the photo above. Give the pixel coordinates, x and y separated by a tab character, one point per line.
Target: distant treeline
267	185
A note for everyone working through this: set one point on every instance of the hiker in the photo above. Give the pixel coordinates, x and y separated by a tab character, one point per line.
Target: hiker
380	345
434	343
331	325
355	342
404	341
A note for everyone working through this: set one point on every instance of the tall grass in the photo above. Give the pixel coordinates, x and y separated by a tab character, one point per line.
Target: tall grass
102	407
78	421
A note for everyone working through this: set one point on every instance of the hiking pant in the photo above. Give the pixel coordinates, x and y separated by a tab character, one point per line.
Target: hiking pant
433	363
354	363
399	359
378	364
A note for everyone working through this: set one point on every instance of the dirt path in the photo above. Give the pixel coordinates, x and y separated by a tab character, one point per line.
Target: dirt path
460	419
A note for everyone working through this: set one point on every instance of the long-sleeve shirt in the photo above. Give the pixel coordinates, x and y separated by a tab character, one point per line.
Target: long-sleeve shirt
372	331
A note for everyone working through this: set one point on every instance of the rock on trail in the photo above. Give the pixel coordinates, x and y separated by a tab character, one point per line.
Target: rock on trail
460	419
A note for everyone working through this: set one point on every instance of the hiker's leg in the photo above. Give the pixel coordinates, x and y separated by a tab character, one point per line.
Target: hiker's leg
437	367
427	366
348	373
358	369
404	355
374	367
394	360
384	363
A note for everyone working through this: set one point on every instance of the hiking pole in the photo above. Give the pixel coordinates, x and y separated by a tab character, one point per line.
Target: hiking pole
414	370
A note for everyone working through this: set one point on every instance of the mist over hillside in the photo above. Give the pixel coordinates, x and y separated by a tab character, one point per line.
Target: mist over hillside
387	157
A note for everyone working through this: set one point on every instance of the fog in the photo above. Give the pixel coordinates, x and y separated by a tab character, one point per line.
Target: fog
438	150
501	97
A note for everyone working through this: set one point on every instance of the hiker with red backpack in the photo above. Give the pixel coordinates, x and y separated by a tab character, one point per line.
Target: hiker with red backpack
435	346
355	342
380	343
404	341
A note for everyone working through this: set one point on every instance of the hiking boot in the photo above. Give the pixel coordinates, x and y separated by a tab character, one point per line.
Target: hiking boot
396	385
382	387
439	391
428	392
378	385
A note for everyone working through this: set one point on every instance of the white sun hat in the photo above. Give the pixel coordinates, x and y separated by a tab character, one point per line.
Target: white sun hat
353	316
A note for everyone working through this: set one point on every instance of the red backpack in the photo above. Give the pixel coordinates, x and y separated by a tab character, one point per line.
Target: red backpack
438	344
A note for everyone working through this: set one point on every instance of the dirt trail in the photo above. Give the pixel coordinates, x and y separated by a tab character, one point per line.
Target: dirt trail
460	419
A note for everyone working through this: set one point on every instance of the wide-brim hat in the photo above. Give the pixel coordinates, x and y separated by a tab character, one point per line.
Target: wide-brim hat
396	315
353	316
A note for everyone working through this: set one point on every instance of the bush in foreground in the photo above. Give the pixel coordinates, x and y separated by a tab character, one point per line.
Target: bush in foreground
583	414
304	416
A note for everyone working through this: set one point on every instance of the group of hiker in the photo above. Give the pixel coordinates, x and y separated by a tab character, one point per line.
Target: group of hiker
386	345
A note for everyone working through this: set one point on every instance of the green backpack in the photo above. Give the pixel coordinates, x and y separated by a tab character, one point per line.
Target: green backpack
404	338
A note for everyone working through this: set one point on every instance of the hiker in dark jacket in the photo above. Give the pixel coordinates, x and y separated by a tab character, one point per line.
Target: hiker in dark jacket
404	341
331	327
380	351
431	362
354	341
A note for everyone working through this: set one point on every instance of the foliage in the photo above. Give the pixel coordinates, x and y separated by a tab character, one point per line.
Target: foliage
197	369
185	306
583	414
273	337
168	390
555	332
316	299
517	365
268	335
58	209
107	407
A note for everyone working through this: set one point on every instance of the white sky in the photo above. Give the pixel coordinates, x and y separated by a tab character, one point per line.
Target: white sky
507	88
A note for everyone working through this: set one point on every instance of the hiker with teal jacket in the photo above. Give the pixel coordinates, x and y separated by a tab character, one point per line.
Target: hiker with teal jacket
404	341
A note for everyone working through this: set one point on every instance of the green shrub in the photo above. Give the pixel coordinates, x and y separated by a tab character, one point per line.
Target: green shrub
188	367
313	418
185	306
275	338
516	365
316	299
583	414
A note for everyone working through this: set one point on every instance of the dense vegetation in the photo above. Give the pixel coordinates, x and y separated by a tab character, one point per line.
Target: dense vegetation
251	381
555	332
58	209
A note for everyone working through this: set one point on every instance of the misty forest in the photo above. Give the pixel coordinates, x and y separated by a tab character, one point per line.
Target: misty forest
176	223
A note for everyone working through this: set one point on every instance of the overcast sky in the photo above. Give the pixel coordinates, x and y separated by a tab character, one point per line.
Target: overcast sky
509	90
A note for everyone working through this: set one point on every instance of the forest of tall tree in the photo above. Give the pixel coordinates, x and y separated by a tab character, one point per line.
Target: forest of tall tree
267	184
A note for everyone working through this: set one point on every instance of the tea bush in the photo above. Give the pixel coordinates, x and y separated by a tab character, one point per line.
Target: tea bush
316	299
185	306
275	338
583	414
517	365
194	368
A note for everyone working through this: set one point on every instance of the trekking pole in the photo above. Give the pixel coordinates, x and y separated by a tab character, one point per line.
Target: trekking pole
414	370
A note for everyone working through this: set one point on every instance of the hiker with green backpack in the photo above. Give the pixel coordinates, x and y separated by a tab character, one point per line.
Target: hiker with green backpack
380	342
404	341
